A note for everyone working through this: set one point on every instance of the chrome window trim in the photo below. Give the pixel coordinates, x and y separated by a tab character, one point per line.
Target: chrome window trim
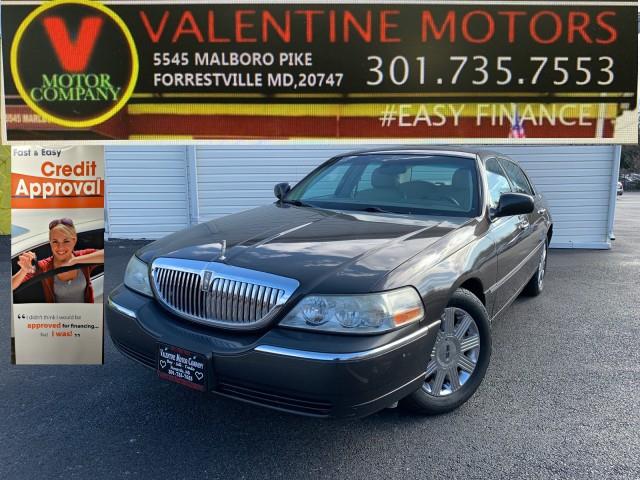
412	151
223	272
346	357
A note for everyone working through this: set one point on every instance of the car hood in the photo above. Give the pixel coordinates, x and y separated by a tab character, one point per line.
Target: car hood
326	251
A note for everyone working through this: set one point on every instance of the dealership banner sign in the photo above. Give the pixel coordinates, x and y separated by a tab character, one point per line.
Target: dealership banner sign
57	254
425	71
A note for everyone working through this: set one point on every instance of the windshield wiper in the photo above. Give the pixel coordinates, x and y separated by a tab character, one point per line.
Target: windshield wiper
297	203
376	210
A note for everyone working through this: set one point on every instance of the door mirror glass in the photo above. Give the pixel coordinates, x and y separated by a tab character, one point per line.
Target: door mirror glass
281	190
514	204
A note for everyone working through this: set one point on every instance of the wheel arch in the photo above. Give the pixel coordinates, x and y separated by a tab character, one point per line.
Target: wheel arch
474	285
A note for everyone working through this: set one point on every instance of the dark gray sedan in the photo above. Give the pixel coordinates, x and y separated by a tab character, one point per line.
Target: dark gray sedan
372	281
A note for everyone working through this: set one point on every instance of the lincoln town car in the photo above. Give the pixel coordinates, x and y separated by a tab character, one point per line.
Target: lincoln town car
369	284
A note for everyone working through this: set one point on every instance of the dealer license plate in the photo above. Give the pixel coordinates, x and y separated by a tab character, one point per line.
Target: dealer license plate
182	366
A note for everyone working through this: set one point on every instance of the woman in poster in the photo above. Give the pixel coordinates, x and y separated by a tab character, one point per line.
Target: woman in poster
73	286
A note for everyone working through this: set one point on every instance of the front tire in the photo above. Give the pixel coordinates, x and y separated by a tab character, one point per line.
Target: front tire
459	359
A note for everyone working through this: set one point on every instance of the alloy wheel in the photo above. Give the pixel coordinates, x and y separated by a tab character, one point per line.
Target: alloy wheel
541	267
455	353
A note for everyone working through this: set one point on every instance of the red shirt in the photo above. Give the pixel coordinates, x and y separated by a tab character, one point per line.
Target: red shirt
46	265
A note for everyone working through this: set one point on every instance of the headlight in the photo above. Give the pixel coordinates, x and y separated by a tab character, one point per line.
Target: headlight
370	313
136	276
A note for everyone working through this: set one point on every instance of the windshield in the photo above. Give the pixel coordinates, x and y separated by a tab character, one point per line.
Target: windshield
394	183
16	231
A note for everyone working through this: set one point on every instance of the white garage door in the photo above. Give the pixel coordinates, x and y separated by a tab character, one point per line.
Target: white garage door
578	183
147	191
576	180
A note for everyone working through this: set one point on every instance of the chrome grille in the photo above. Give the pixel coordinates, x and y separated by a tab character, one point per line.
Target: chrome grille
219	294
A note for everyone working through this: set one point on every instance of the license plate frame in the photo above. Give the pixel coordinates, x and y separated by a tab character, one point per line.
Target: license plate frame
187	368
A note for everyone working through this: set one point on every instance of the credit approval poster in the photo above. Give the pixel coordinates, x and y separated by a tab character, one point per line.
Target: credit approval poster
422	71
57	254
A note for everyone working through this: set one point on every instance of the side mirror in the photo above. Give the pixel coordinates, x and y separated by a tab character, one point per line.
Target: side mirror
513	204
281	190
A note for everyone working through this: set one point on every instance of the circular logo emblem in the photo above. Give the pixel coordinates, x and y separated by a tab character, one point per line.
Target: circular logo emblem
74	62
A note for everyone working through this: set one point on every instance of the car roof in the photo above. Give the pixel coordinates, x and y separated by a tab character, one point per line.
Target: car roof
470	152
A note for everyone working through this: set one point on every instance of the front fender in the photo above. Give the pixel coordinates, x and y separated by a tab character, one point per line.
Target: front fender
436	283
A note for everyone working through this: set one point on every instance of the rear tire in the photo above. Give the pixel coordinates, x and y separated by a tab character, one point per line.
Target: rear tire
459	360
536	283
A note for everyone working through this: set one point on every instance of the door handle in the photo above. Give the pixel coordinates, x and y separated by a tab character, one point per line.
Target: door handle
541	211
523	224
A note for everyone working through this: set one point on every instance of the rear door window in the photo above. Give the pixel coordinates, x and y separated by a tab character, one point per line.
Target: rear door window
517	177
497	179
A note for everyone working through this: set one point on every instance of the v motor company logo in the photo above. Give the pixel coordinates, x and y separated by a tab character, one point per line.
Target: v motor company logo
85	67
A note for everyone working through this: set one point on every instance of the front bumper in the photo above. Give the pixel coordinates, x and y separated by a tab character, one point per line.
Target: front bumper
301	372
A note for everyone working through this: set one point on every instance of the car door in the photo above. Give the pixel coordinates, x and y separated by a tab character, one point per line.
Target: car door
535	232
94	239
508	233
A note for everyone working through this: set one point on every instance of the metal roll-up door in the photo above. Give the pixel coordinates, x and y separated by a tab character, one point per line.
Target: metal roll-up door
147	191
577	181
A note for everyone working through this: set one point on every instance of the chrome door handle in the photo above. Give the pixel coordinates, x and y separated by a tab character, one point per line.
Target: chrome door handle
523	224
541	211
